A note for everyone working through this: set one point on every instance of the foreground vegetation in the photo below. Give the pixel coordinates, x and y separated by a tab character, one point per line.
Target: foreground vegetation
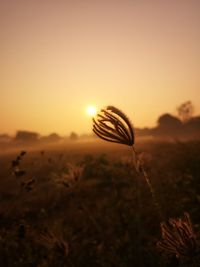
88	207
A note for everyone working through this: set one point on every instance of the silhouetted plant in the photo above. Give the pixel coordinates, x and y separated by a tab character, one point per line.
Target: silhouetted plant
179	239
112	125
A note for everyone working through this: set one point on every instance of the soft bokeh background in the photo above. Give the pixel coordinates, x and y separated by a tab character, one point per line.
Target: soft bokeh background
57	57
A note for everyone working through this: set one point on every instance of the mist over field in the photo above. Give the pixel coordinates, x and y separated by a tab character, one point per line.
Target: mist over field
105	199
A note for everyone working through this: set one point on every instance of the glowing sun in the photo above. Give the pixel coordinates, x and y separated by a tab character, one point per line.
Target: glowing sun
91	111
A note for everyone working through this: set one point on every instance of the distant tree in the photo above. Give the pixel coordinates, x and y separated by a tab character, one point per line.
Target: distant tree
185	111
26	136
168	121
192	128
73	136
168	125
193	123
54	137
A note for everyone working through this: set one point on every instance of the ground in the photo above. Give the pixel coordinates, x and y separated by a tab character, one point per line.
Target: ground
83	203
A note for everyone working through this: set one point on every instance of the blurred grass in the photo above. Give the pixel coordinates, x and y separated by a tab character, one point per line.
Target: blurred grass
97	217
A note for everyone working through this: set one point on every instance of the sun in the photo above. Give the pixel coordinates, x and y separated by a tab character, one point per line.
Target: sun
91	111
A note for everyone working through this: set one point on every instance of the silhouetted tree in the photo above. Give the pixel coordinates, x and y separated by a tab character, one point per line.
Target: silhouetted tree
193	124
185	111
168	121
73	136
54	137
26	136
168	125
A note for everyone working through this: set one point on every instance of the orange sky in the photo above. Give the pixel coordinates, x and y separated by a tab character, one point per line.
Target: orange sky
57	57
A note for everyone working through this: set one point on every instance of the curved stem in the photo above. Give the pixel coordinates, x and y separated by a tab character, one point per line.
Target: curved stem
140	169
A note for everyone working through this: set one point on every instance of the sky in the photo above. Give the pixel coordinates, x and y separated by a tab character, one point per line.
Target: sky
57	57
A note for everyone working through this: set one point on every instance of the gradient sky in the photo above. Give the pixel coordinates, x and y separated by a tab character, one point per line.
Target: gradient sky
57	57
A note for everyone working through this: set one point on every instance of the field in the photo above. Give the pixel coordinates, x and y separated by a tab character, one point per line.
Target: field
83	204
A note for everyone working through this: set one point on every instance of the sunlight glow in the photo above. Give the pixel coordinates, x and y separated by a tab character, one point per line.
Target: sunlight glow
91	111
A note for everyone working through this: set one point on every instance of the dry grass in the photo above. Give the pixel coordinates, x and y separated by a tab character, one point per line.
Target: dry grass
94	220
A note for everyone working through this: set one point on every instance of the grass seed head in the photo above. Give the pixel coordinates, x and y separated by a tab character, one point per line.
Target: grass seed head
112	125
178	238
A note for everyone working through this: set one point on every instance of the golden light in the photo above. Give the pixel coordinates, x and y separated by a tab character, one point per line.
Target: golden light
91	111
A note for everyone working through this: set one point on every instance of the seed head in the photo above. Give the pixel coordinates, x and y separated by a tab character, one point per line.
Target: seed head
112	125
178	238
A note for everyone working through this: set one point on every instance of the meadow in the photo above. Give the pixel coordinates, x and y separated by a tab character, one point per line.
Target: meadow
83	204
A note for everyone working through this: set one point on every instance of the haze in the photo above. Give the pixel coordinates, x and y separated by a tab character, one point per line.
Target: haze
58	57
